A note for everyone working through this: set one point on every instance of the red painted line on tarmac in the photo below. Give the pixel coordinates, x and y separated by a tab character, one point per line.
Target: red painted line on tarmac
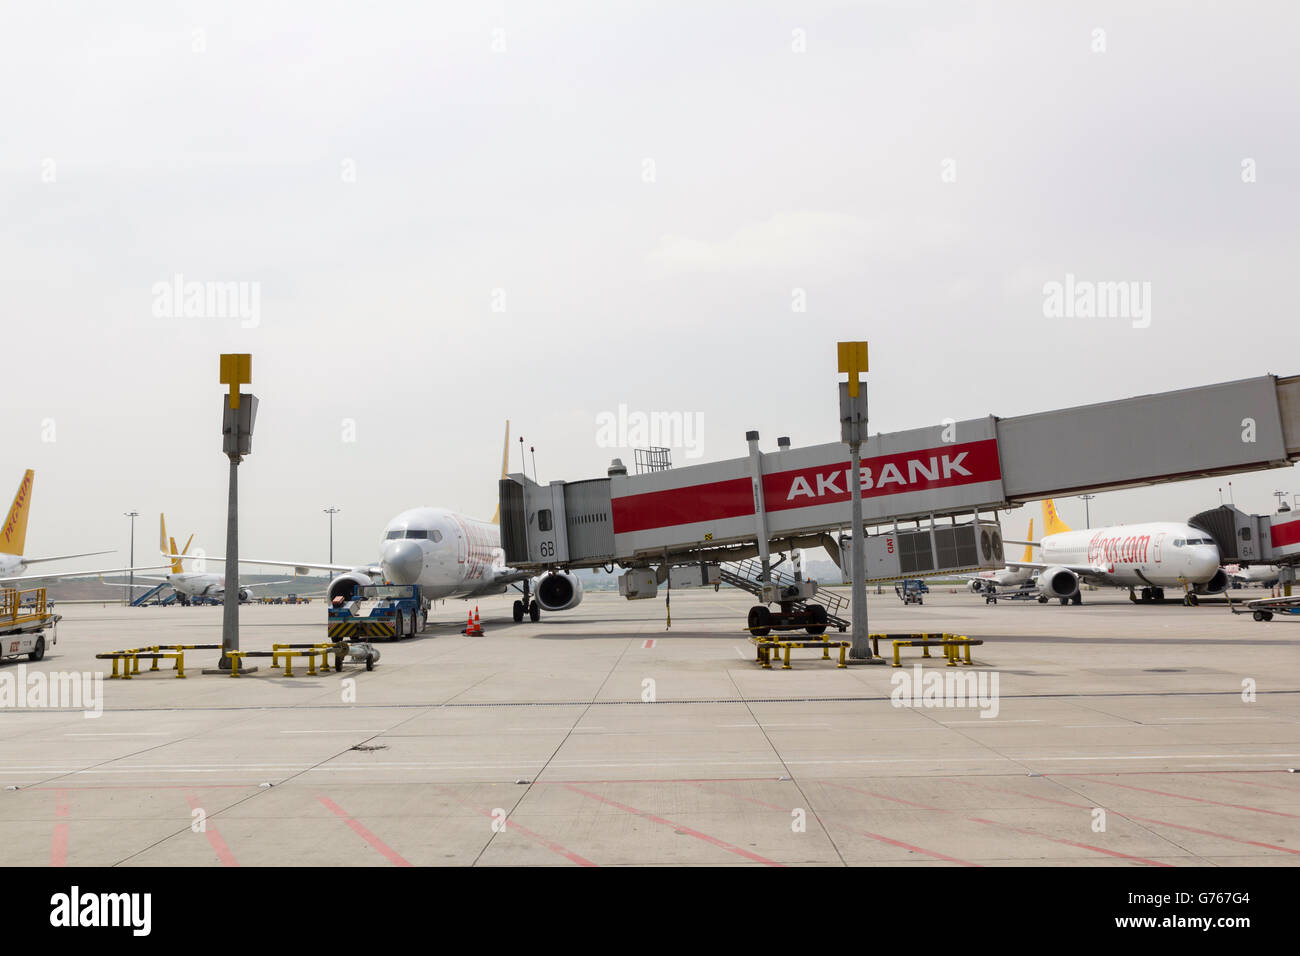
165	786
214	838
646	815
1180	796
1008	826
1137	819
393	856
1271	786
649	643
59	842
549	844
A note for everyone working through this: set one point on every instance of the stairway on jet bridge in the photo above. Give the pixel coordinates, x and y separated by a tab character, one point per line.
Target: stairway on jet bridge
813	614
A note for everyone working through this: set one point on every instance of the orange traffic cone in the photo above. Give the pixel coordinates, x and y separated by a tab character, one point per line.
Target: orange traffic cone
478	625
469	625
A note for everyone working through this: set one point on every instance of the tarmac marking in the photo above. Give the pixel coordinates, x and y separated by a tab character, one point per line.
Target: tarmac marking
549	844
140	734
1005	826
874	836
649	643
646	815
393	856
214	838
1137	819
1179	796
59	842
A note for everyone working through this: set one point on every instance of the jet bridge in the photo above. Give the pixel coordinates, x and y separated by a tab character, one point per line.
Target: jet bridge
945	475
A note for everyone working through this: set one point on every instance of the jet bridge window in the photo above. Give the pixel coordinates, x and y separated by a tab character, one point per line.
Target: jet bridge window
544	520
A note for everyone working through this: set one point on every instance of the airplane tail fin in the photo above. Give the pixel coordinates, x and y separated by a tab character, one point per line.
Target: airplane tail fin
505	463
1052	523
177	566
1029	548
14	535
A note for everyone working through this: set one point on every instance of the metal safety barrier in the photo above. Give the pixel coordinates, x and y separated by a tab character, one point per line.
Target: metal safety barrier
766	646
132	656
952	644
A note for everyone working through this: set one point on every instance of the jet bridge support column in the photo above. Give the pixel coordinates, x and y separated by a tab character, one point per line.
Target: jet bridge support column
760	513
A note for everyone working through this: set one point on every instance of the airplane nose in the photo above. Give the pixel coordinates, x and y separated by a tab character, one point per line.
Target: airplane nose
403	561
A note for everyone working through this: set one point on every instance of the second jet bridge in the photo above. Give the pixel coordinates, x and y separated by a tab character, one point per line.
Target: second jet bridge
796	497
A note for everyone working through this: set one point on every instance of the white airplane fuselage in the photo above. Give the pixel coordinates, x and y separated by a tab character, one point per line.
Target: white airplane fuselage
447	554
1156	554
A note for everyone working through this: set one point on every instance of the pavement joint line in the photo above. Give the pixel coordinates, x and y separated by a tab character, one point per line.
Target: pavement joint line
776	752
532	778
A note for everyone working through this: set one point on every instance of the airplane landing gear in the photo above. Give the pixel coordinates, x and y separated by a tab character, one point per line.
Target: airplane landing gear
519	611
534	611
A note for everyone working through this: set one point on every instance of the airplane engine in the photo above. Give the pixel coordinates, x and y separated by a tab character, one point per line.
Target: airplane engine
245	595
558	591
1216	585
346	585
975	585
1058	583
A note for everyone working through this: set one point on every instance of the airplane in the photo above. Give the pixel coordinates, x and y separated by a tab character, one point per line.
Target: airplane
1265	575
13	541
1151	556
448	555
191	585
1007	577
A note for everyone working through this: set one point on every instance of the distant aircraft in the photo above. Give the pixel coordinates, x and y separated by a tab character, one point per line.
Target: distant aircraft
1151	556
1265	575
448	555
190	585
1010	577
13	540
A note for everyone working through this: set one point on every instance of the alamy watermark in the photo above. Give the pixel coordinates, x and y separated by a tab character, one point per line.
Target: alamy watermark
70	690
1085	299
951	688
182	299
638	429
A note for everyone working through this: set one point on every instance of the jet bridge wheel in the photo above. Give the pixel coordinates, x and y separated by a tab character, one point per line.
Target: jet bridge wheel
519	612
760	619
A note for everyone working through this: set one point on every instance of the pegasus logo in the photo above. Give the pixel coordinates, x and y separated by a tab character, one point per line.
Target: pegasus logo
20	502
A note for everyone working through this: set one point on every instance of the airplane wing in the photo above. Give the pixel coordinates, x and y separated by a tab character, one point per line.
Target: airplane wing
262	584
510	576
78	574
300	567
1083	570
64	557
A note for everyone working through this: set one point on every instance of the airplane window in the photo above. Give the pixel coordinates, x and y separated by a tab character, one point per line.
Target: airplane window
1179	542
411	533
436	535
392	535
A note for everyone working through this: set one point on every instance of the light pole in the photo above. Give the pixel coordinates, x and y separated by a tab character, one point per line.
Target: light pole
331	511
853	432
239	413
132	515
1087	513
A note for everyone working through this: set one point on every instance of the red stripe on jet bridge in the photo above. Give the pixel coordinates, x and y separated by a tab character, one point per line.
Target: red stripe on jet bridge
947	466
1282	535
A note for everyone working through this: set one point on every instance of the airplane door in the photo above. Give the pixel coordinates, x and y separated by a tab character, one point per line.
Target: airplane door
1159	539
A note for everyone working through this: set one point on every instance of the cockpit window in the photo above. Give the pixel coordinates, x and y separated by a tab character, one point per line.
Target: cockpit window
393	535
416	533
435	535
1179	542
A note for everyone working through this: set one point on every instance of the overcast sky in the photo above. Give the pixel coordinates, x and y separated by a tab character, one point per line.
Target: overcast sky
454	214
